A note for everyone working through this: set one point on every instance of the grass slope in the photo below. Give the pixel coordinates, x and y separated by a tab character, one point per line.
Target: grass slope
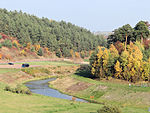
130	99
19	103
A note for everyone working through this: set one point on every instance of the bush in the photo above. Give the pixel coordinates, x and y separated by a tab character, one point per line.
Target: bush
84	70
7	88
82	54
40	52
0	45
35	71
58	53
7	43
20	89
0	36
15	45
109	109
66	52
32	49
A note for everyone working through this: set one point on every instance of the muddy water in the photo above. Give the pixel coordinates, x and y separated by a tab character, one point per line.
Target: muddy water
41	87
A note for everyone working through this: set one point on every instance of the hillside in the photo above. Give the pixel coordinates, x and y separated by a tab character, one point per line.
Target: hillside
56	36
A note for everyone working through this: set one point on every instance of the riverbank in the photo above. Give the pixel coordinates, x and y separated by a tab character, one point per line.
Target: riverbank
41	87
130	99
35	103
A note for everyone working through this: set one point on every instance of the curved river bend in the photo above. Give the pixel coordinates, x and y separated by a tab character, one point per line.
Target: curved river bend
41	87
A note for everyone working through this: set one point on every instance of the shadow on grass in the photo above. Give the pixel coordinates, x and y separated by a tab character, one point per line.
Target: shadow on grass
85	71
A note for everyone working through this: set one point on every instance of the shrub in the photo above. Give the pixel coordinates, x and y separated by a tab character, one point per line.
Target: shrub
35	71
0	45
7	88
40	52
82	54
84	70
15	45
109	109
58	53
0	36
7	43
66	52
33	49
20	89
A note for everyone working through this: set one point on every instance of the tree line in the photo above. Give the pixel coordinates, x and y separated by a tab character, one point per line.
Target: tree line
127	56
60	37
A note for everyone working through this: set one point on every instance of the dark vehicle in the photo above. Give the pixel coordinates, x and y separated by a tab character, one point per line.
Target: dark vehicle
11	63
25	65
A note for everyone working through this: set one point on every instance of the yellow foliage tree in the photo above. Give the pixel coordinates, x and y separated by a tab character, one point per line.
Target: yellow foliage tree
16	42
77	55
22	52
113	51
28	46
72	53
105	58
97	65
118	70
0	56
37	47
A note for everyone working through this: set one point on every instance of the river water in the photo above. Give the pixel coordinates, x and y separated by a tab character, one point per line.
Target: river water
41	87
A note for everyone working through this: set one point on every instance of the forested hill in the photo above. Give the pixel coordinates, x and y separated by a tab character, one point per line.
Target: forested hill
56	36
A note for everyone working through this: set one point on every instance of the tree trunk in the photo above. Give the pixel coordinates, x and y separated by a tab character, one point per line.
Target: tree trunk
126	42
141	39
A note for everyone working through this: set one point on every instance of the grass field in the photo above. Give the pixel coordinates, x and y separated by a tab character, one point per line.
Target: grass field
55	63
20	103
130	99
86	60
3	70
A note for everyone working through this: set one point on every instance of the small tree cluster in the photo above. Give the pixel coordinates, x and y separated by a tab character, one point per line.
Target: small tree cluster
129	65
109	109
20	89
7	43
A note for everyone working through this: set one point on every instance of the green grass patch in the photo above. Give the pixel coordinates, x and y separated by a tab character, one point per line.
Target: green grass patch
133	88
86	60
7	70
21	103
55	63
32	71
130	99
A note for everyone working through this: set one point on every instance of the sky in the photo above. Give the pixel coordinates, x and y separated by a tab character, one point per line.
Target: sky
94	15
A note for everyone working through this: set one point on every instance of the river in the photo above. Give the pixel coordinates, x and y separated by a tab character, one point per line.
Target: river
41	87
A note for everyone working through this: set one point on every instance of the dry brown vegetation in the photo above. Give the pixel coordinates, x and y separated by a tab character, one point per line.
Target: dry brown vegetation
70	85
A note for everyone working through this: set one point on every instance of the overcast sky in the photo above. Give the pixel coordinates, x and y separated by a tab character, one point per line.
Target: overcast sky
95	15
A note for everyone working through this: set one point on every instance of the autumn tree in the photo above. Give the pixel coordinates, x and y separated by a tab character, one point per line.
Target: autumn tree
118	70
96	63
119	46
128	66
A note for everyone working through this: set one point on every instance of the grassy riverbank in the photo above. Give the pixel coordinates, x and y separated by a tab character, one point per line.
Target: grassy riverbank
130	99
22	103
